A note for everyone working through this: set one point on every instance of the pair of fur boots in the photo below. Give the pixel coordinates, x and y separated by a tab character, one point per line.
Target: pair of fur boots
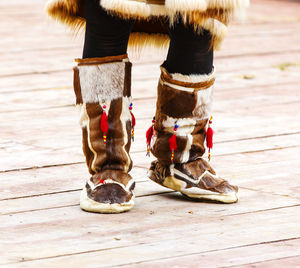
103	91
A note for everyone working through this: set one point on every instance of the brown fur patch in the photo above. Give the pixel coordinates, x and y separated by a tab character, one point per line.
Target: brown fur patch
76	86
94	112
89	156
175	103
108	194
116	157
116	175
216	184
199	134
161	149
127	80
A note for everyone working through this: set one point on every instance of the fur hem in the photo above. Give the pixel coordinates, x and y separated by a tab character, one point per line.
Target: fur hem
66	12
189	81
212	15
138	42
130	8
141	9
192	78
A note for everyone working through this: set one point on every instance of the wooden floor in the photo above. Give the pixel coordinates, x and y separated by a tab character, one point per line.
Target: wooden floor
257	133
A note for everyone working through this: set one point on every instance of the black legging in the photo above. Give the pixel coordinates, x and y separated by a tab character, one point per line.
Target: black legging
107	35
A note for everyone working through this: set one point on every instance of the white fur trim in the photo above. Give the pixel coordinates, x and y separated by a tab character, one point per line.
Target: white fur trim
228	4
141	9
185	125
192	78
197	193
204	102
134	8
186	5
101	82
91	205
186	152
83	117
181	174
176	86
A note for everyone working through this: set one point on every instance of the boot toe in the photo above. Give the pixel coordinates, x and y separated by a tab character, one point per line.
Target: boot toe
106	198
109	193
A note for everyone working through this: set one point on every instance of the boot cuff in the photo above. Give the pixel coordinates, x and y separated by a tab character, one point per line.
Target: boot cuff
195	81
102	79
102	60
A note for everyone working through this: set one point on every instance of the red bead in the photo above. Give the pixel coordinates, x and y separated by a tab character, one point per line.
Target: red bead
104	106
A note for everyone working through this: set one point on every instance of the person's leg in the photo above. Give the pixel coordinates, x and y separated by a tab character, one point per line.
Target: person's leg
105	35
102	82
182	119
189	52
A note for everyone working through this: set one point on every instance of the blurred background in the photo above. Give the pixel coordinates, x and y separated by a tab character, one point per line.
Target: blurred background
257	140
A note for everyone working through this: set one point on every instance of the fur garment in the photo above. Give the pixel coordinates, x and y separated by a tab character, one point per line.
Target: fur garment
102	89
182	111
150	15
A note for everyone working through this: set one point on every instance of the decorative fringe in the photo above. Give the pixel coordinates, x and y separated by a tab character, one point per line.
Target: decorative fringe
132	122
212	15
149	134
173	144
67	12
104	124
209	137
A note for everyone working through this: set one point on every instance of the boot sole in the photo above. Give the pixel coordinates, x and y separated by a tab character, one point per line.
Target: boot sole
221	198
91	205
198	194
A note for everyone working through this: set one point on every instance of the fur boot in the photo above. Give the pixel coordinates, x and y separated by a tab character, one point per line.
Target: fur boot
102	89
181	119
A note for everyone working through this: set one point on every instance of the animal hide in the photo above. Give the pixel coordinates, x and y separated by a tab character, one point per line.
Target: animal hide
212	15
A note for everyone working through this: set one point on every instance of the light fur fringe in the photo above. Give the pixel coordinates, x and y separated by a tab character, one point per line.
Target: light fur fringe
140	42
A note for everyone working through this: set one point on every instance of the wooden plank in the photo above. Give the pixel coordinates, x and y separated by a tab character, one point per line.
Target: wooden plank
228	69
50	180
71	198
86	236
288	262
276	254
259	171
32	156
232	85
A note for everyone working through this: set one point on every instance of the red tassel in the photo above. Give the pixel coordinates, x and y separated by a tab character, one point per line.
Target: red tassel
209	138
132	120
173	143
132	126
173	146
104	125
149	134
